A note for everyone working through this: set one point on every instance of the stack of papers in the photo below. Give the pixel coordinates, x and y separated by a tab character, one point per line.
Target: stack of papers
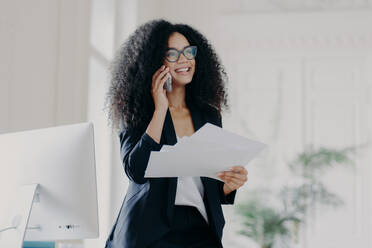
205	153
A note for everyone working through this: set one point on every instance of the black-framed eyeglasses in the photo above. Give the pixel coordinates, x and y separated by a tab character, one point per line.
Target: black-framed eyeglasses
172	54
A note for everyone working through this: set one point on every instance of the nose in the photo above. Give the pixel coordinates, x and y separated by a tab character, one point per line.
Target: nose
182	58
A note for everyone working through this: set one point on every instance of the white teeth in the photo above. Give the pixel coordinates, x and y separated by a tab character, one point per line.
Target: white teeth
183	69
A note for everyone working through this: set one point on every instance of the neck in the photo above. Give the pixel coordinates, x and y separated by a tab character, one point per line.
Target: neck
176	98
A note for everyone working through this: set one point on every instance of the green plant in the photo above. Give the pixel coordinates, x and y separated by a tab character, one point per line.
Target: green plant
265	223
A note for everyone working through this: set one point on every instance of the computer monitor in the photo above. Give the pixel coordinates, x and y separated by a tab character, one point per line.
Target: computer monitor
54	170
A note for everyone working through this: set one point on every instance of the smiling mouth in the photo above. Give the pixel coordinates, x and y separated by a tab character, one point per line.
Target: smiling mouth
183	70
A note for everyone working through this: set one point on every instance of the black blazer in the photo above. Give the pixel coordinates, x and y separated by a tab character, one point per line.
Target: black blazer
147	208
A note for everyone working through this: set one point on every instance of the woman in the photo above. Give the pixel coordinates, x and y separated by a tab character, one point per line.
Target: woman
167	212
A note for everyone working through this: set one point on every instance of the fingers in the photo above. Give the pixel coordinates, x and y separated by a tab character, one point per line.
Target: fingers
238	178
232	185
235	175
159	78
242	175
237	181
239	169
158	71
160	81
163	80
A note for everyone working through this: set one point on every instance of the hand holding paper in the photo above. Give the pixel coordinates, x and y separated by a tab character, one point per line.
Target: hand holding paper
205	153
234	178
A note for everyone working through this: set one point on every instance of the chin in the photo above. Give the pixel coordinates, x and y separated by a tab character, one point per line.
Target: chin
183	81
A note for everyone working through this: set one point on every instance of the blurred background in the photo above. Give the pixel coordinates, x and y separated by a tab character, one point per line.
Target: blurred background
300	76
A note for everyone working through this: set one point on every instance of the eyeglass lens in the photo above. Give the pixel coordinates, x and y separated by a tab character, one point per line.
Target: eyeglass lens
189	52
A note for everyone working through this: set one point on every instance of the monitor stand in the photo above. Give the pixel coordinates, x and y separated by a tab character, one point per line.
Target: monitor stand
12	235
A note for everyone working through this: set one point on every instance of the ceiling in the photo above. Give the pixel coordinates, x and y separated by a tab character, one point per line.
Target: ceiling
253	6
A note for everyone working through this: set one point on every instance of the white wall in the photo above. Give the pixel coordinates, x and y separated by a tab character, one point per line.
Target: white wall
305	79
43	63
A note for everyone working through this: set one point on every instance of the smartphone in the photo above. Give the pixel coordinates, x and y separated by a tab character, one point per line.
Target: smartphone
168	84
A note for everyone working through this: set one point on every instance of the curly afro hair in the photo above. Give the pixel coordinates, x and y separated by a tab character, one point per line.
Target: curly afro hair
129	100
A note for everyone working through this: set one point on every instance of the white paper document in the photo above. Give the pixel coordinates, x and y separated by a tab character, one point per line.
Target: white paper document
205	153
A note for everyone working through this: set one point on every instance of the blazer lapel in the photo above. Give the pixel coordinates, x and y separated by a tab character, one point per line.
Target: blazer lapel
171	139
199	120
208	183
169	133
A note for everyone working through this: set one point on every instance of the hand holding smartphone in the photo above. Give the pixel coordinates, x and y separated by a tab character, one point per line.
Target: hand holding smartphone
158	85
